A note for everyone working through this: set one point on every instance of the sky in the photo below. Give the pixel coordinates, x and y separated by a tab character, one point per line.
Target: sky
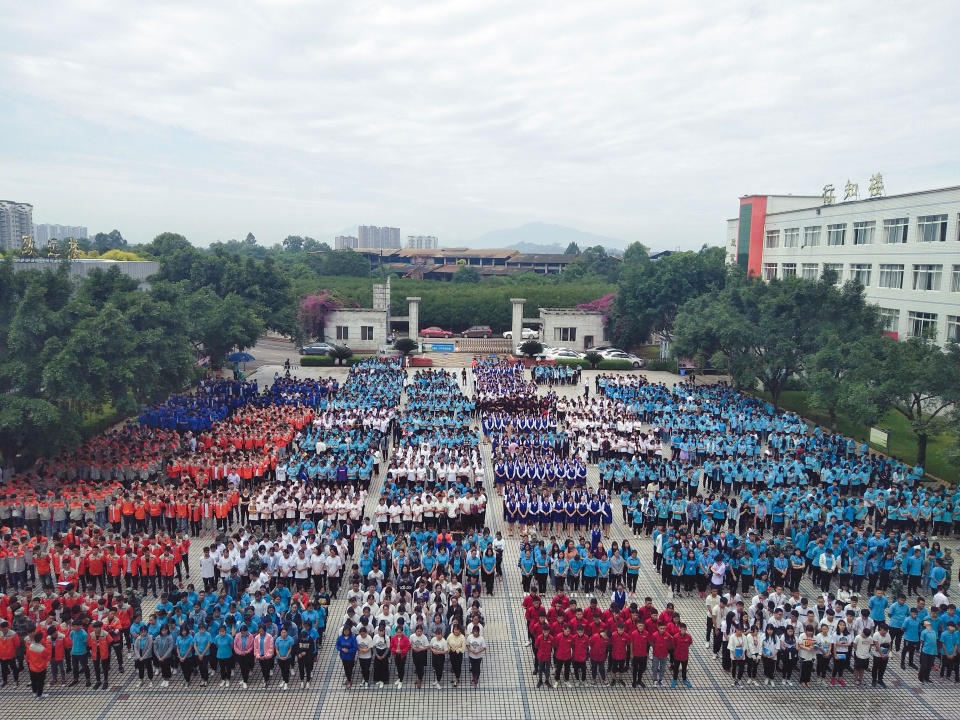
638	120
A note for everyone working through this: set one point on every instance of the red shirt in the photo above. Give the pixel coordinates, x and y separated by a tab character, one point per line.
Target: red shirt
598	647
564	646
581	645
681	646
661	644
544	646
639	643
618	645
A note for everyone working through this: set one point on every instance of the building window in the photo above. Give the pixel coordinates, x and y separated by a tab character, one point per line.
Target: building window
927	277
836	234
788	270
769	271
810	271
811	236
366	332
891	276
953	329
955	281
863	232
890	318
861	273
565	334
791	237
895	231
932	228
837	268
922	324
773	238
343	332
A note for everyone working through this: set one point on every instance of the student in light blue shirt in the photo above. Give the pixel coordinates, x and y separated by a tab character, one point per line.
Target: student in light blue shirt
284	650
950	649
928	650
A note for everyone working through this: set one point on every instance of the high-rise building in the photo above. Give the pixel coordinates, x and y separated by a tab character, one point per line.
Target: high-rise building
45	232
422	242
16	220
371	237
343	242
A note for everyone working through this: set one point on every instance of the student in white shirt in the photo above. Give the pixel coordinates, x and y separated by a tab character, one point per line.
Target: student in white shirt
476	651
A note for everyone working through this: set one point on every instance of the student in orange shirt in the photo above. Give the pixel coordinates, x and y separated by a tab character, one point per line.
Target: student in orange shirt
37	657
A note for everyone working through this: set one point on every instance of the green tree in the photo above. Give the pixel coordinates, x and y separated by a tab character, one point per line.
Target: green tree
636	254
293	243
466	275
919	380
531	348
344	262
113	240
572	249
593	262
218	325
340	353
766	331
650	294
406	346
594	358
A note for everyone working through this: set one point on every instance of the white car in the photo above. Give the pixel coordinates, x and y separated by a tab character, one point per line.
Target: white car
604	349
611	355
527	334
566	353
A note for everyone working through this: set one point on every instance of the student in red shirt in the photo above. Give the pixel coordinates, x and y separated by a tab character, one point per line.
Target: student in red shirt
563	655
639	648
681	654
544	648
619	646
662	644
581	646
599	646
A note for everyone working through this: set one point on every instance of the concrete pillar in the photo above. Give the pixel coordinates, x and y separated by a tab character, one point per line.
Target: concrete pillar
517	326
413	315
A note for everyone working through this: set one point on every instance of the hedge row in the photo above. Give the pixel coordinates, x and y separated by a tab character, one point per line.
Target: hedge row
662	365
327	361
316	361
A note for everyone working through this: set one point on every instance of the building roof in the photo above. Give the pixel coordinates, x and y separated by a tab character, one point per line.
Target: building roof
556	258
849	203
569	311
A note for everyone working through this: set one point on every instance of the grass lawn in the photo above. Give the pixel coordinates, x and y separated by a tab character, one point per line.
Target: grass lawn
903	441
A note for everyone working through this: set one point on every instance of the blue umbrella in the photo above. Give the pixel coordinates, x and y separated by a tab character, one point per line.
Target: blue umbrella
240	357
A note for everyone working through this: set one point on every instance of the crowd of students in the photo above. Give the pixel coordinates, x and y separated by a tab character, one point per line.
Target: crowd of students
735	501
104	538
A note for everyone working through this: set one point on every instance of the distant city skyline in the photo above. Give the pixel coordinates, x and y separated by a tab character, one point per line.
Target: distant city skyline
622	119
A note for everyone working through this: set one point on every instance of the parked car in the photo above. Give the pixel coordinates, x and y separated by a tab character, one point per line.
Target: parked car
636	361
317	348
527	334
478	331
604	349
566	353
436	332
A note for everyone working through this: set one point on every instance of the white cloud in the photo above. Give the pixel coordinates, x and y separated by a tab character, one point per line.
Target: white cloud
640	120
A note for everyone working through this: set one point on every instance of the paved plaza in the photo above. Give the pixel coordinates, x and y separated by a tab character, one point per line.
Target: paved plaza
507	687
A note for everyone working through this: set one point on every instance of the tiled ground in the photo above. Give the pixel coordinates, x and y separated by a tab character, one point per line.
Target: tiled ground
506	690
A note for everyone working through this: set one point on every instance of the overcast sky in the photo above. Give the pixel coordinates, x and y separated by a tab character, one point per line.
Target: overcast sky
640	120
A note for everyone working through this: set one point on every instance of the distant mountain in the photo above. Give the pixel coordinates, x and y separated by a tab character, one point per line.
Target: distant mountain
538	237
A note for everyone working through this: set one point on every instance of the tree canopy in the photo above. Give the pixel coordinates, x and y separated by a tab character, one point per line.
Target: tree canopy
651	292
69	349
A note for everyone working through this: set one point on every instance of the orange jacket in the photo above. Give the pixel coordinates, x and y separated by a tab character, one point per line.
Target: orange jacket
37	657
8	646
